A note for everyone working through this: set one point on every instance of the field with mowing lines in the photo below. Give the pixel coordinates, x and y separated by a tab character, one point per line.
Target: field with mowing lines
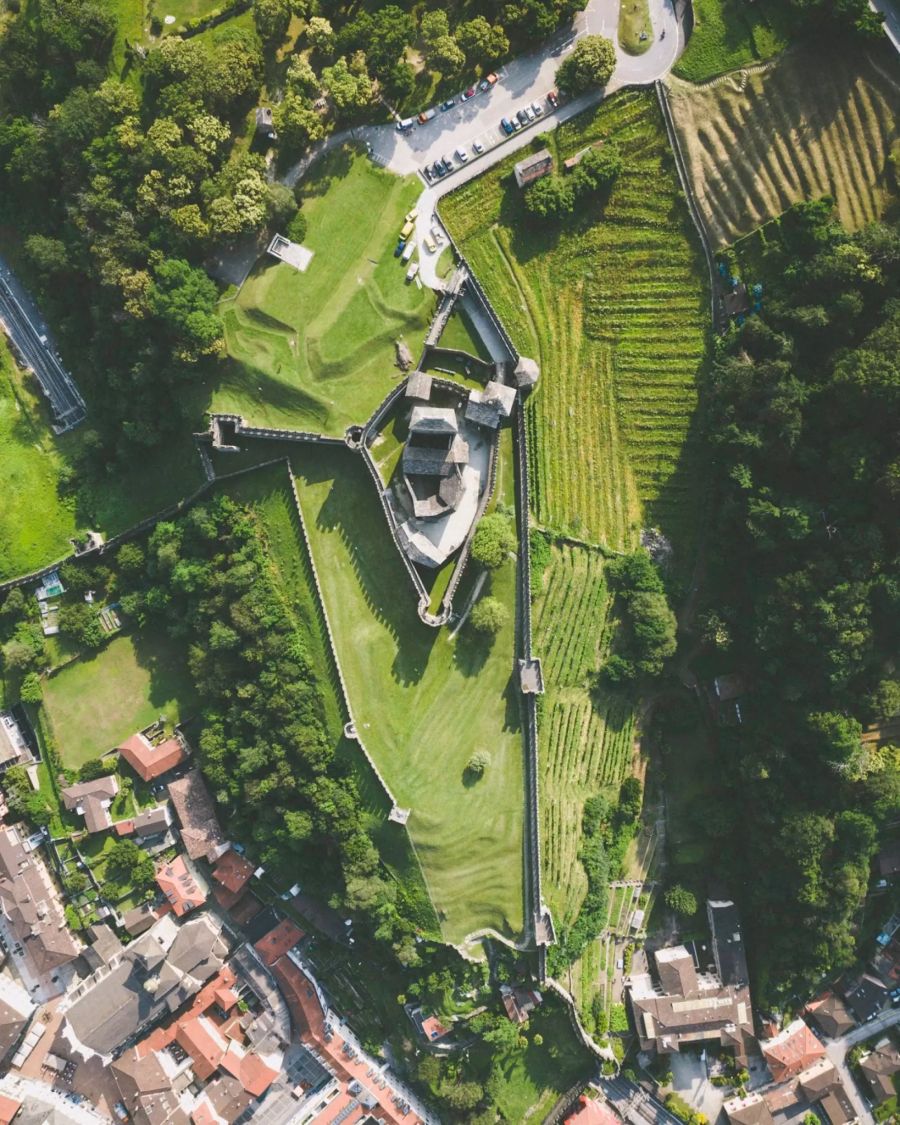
424	702
315	350
816	123
729	33
586	739
613	304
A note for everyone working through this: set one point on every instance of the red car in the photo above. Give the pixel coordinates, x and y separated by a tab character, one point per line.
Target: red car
466	94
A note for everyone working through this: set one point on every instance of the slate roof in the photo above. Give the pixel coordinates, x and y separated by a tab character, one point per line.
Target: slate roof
418	385
831	1014
200	828
30	901
433	420
866	998
727	942
174	959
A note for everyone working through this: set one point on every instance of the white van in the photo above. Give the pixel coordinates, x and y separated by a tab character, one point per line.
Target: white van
405	125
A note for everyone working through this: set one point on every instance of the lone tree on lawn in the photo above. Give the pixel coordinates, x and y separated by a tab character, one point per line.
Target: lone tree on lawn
591	64
494	539
682	901
488	617
478	763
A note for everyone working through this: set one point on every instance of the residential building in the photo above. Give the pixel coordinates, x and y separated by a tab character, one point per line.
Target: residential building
817	1084
519	1003
180	886
879	1068
147	824
488	407
14	750
16	1009
26	1101
232	872
791	1051
831	1015
866	997
104	948
748	1110
153	977
690	1006
31	916
149	759
91	799
278	941
203	837
140	919
533	167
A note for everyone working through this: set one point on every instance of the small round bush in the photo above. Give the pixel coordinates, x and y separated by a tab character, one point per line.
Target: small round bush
488	617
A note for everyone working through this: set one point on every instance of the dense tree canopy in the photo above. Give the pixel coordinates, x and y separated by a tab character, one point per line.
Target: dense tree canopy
590	64
801	416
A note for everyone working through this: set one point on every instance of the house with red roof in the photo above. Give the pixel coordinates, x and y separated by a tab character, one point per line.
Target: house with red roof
149	760
232	872
791	1051
180	886
278	941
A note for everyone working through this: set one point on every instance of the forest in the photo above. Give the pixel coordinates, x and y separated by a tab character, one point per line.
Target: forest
803	593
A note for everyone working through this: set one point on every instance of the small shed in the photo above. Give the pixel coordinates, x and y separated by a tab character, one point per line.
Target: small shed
527	372
265	122
418	385
533	167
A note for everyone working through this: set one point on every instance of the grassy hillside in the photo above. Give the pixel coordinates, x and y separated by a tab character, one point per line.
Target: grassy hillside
315	350
614	306
423	702
586	739
814	124
729	34
35	522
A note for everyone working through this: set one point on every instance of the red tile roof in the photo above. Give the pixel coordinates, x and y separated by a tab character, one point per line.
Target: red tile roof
278	941
233	871
249	1069
201	1039
9	1107
433	1029
792	1050
179	886
162	1036
204	1114
593	1112
226	998
124	827
149	761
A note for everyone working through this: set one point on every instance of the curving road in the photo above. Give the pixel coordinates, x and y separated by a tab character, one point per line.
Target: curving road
522	81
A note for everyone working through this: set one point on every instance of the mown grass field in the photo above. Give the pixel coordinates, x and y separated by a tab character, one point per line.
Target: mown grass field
269	493
101	698
729	34
634	21
423	703
613	305
586	739
818	122
35	523
315	350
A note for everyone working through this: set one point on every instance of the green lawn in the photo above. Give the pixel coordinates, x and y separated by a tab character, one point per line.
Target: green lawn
101	698
268	491
315	350
35	523
729	34
531	1080
634	21
423	703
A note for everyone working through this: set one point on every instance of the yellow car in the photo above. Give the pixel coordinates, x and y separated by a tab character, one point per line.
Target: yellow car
411	216
408	228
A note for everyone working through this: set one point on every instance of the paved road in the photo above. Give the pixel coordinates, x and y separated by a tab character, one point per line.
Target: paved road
26	328
891	12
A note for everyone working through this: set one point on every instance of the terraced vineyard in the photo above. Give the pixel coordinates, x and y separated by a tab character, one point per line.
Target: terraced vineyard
614	306
586	742
816	123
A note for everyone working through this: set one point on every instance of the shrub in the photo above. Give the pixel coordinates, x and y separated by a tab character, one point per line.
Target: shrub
591	64
31	690
488	617
297	227
478	763
96	767
551	197
682	901
494	538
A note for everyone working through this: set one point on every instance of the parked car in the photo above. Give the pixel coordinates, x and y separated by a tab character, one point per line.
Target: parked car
429	244
399	248
507	126
461	155
529	113
437	236
410	274
448	164
477	148
406	124
426	116
412	215
537	109
466	94
408	228
448	104
488	81
522	117
408	252
428	173
553	98
439	170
